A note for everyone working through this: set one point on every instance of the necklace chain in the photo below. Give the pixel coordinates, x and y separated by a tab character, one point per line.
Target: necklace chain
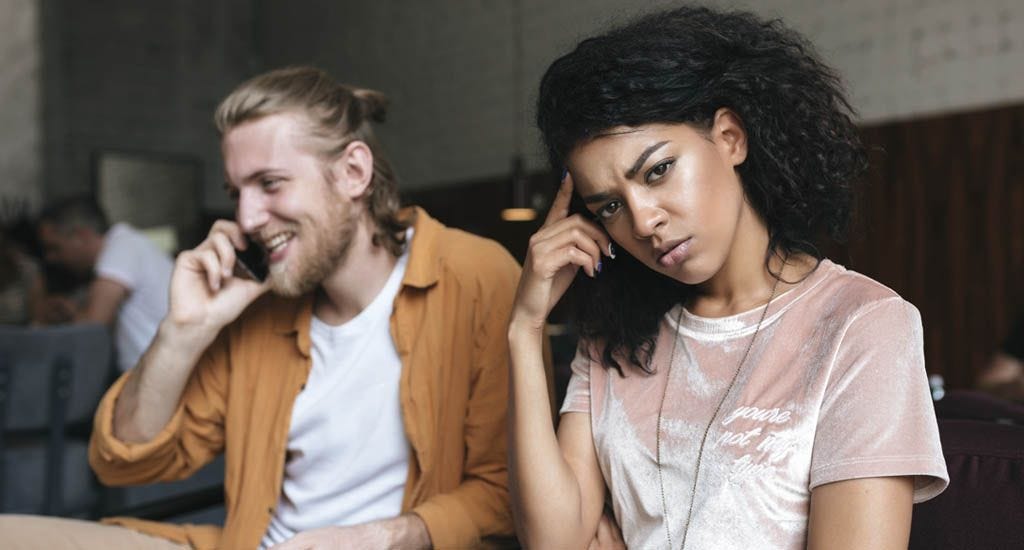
707	429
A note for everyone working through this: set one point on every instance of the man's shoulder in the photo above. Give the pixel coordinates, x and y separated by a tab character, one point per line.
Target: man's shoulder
467	255
122	233
130	259
123	238
458	244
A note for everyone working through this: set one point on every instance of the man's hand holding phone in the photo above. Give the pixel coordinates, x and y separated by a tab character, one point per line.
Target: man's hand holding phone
206	293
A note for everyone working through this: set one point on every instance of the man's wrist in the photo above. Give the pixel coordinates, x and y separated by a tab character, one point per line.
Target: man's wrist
409	531
185	337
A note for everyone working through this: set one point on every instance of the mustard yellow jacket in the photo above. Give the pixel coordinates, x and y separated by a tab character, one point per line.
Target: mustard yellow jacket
449	327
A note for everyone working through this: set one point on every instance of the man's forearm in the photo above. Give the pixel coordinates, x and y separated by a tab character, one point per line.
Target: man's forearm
153	390
409	531
406	531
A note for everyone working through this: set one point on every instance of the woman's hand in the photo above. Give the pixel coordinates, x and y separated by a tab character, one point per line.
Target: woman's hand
561	247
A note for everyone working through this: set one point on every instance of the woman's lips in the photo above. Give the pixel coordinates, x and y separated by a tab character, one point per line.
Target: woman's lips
676	255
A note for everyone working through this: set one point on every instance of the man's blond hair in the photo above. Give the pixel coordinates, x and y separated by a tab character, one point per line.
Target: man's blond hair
337	115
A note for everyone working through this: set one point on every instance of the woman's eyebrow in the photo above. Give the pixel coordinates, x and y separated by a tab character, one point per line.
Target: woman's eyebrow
598	197
643	158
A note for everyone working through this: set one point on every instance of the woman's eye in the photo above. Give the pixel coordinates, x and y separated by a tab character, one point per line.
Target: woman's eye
609	210
659	170
270	184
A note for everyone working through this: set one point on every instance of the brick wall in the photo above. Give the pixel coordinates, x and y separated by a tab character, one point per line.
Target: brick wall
20	127
145	76
140	77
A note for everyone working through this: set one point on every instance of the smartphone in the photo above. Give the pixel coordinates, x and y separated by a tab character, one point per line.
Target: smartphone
252	262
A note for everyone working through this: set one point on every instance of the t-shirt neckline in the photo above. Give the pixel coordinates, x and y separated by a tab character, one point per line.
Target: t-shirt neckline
372	311
744	323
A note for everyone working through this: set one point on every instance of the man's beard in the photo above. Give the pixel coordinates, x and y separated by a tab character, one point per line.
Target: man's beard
300	275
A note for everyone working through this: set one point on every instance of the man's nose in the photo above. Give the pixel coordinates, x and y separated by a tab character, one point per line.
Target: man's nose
251	211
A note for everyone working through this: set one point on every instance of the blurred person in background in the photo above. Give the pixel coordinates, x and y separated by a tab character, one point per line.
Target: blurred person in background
21	284
130	274
1004	375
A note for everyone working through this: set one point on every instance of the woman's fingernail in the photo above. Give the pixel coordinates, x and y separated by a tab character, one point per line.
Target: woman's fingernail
565	172
611	250
599	266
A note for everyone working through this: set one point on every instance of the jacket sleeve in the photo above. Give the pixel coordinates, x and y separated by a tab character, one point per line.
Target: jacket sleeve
192	437
480	506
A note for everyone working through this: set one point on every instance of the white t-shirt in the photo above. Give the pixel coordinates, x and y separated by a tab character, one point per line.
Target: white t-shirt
834	388
347	454
135	262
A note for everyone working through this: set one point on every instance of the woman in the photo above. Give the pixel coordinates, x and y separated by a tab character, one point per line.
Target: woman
731	389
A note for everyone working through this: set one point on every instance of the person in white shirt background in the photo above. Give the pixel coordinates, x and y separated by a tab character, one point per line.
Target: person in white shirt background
129	291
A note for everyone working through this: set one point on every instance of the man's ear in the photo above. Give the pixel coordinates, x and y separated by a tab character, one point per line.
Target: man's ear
353	170
730	136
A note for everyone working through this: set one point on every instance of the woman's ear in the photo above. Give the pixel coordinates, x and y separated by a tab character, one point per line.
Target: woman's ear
353	169
728	133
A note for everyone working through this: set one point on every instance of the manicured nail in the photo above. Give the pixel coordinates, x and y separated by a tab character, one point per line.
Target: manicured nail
599	266
611	250
565	172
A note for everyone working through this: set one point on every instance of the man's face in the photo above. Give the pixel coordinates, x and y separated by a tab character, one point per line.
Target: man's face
66	248
285	203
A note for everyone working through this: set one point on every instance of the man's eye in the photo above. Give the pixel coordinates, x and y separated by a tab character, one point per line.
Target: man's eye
609	210
659	170
269	184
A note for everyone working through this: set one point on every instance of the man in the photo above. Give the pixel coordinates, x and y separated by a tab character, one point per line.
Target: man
361	402
132	274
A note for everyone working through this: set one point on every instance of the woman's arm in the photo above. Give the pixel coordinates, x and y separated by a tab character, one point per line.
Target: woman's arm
556	484
861	513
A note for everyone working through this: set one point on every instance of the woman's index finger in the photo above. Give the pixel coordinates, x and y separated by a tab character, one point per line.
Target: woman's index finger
560	204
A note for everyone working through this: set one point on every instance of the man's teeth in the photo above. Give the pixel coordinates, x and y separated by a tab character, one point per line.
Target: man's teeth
277	242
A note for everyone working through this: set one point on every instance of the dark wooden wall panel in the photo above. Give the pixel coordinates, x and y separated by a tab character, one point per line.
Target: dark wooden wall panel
942	223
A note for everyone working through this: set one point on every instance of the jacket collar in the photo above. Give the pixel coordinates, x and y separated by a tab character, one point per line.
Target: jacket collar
423	269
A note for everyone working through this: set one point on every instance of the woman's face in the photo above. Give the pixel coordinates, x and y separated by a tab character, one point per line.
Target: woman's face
668	193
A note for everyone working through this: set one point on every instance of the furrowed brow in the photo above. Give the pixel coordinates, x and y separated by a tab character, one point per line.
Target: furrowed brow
631	173
596	198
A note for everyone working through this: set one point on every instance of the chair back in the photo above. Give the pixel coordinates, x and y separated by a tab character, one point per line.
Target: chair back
983	507
51	380
975	405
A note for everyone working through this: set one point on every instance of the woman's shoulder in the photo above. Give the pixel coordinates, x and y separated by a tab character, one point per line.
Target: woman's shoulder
848	295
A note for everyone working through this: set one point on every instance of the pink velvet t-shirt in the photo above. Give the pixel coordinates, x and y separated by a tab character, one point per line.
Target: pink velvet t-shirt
834	388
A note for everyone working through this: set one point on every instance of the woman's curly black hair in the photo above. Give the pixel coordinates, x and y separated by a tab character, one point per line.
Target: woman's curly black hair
681	66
